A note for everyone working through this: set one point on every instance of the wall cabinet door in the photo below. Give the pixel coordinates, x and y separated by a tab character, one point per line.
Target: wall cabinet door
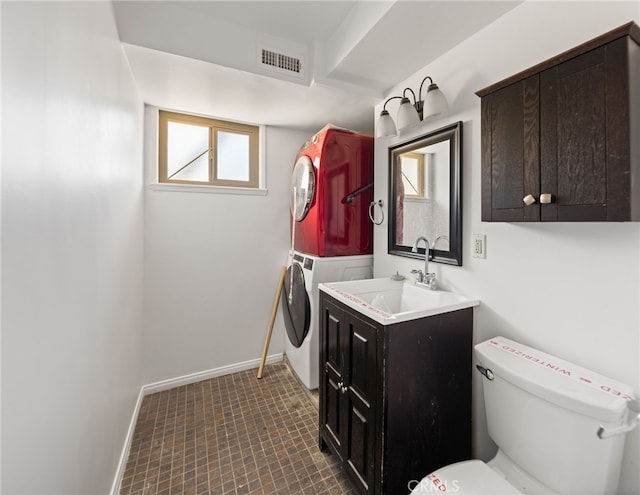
562	137
510	151
584	124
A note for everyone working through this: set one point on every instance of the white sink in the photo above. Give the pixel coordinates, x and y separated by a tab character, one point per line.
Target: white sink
388	301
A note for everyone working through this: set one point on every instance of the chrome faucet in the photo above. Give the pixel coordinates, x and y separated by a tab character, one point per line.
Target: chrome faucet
424	279
414	249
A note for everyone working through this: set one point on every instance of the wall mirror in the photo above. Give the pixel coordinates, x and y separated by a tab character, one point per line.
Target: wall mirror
425	194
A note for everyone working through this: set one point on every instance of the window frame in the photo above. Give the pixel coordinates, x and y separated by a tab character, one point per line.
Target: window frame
422	175
215	126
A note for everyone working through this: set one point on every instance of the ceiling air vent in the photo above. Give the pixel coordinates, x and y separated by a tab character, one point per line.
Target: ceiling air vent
292	65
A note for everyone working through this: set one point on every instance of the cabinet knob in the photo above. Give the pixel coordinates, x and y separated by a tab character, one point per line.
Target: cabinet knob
529	199
545	199
343	389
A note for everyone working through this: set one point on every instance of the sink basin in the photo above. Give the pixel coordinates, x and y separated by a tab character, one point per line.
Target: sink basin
388	301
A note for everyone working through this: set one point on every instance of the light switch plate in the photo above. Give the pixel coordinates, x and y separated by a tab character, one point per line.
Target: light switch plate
479	246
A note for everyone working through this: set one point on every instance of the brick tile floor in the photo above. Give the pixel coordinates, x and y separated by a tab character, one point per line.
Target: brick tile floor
233	434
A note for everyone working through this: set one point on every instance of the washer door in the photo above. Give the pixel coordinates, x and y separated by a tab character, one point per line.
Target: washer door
295	304
303	188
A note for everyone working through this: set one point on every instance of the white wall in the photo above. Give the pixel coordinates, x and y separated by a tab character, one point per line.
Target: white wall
71	247
571	289
212	262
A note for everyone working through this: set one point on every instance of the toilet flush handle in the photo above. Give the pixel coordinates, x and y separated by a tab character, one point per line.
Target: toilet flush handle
634	407
486	372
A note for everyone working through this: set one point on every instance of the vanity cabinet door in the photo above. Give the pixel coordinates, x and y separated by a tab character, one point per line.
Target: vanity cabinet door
347	392
332	400
360	391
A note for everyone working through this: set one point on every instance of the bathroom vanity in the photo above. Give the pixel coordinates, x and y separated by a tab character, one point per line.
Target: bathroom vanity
395	381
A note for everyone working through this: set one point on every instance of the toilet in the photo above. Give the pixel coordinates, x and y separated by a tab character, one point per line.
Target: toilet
544	414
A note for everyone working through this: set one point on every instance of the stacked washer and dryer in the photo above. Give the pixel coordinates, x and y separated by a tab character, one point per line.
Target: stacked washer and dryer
332	236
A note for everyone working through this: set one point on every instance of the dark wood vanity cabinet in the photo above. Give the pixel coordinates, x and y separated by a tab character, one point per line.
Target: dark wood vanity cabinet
566	129
394	400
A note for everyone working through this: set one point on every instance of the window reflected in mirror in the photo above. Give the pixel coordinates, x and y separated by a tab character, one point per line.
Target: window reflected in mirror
413	169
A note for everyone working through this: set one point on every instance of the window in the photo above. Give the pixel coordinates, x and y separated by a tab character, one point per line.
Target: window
203	151
413	167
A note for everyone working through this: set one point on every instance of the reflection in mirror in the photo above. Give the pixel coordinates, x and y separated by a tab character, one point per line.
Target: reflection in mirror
424	195
414	168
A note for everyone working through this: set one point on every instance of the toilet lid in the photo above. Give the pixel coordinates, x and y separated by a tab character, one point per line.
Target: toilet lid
467	477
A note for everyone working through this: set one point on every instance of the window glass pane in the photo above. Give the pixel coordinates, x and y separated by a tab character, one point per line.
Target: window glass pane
198	170
233	156
187	152
410	169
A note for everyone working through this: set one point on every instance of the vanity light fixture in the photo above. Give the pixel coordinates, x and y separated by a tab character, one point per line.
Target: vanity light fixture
409	114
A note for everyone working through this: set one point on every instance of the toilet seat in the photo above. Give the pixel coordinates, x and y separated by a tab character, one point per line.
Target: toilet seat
466	477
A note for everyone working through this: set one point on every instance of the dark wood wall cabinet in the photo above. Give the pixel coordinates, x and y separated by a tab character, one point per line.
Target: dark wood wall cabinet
394	400
561	140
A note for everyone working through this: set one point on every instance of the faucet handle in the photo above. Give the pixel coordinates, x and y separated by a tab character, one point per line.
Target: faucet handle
430	280
419	275
427	280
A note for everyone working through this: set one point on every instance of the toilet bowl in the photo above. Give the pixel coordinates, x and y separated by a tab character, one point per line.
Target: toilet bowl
476	477
546	416
466	477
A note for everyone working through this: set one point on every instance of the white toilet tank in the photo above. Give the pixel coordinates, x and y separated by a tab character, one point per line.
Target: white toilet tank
544	414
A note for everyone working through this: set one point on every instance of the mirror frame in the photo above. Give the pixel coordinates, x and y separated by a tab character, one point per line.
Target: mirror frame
452	133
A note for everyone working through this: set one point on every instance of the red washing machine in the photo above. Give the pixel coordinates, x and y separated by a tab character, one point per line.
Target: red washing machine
331	190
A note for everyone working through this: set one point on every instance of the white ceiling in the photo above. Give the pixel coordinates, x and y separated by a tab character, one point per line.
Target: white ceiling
202	56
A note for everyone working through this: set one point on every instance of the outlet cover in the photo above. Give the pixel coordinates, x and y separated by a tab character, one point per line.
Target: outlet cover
479	246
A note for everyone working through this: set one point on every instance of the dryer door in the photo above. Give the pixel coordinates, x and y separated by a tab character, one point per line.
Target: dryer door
296	307
303	188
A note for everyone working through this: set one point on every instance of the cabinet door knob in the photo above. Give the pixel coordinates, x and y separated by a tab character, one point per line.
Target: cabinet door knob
545	199
529	199
343	389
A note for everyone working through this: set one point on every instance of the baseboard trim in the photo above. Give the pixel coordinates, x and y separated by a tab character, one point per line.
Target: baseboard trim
124	455
163	385
160	386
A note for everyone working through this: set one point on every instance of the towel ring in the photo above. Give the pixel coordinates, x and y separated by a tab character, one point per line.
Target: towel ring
373	204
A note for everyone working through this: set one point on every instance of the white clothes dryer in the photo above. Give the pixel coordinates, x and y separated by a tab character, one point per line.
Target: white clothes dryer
300	299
